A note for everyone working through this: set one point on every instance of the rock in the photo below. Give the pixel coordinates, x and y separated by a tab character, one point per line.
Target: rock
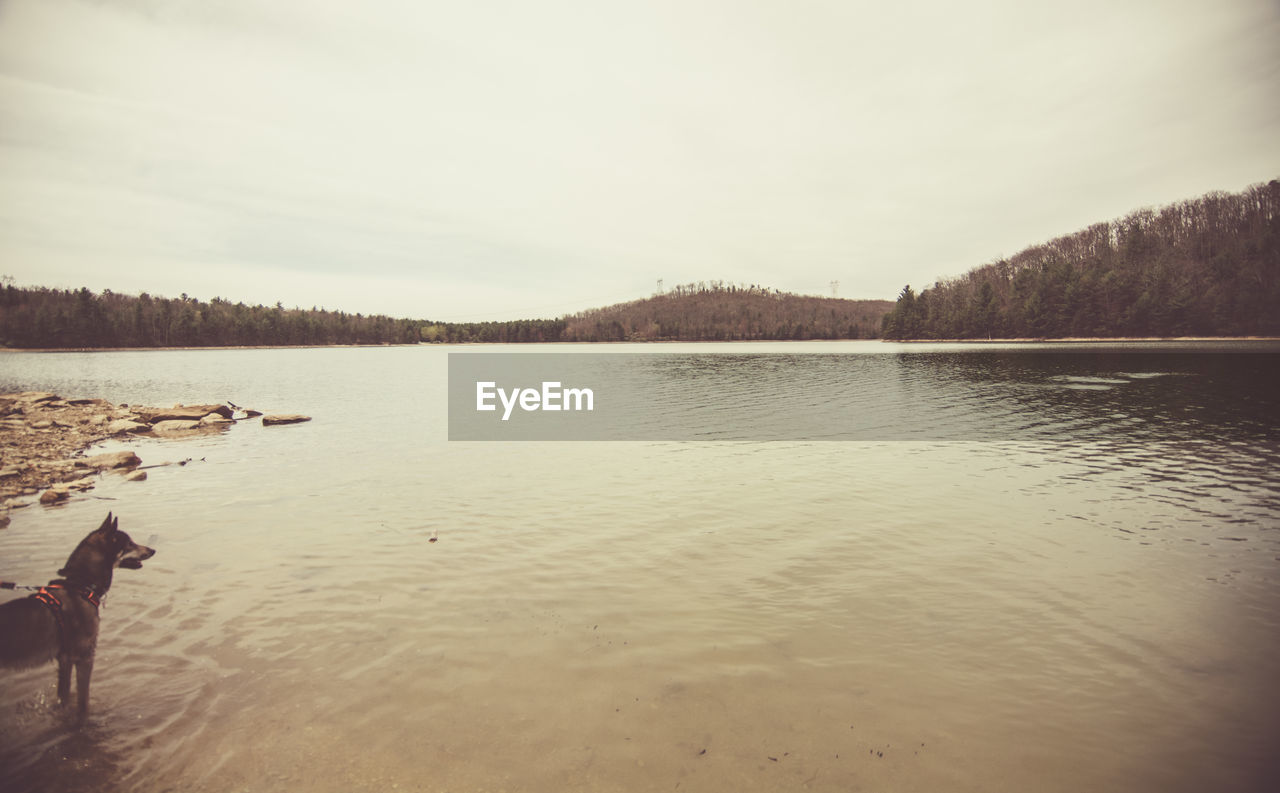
157	415
175	425
204	410
53	496
136	476
103	462
251	413
182	413
126	425
33	397
41	434
284	418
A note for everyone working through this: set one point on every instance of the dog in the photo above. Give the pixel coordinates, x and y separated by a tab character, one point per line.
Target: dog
61	619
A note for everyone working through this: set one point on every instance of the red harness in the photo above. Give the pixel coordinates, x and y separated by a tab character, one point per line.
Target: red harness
46	597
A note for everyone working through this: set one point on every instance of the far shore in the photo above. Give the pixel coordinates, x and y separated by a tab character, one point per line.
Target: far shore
1022	340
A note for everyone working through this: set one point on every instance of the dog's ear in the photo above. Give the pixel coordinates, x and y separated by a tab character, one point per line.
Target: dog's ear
109	524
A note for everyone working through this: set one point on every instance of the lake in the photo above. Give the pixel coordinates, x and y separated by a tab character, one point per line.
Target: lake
1042	567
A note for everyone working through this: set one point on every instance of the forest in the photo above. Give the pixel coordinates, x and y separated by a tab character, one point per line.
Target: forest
39	317
78	318
1203	267
703	311
717	311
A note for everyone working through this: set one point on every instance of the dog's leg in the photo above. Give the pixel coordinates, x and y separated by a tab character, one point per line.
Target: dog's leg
64	680
84	668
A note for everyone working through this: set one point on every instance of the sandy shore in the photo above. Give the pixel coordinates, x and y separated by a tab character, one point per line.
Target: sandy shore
43	438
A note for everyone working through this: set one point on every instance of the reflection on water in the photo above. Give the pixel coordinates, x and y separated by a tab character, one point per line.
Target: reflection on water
1090	604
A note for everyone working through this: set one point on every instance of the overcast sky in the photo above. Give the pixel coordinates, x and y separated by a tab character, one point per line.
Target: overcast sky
497	160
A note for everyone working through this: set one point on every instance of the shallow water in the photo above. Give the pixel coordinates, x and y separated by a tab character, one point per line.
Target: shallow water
1088	606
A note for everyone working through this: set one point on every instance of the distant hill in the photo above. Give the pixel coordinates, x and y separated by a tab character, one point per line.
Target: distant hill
703	311
1204	267
719	312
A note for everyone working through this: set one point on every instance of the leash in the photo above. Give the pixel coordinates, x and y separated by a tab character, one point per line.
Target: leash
11	585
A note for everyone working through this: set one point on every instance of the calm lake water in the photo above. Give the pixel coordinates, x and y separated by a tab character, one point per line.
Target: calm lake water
1086	597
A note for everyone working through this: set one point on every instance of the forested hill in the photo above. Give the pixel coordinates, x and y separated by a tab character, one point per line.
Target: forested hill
39	317
719	312
1203	267
703	311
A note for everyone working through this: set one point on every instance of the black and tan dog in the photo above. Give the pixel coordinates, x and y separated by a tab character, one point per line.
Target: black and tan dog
61	619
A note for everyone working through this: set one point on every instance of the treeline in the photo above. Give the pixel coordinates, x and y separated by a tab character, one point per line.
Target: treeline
716	311
64	318
39	317
703	311
518	331
1203	267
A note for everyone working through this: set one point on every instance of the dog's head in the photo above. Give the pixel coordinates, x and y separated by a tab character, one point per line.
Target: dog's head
109	543
127	553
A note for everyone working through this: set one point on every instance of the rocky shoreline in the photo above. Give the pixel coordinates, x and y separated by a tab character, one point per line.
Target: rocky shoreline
43	438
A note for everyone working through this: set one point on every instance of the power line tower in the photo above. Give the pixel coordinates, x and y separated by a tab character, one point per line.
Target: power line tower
659	286
835	288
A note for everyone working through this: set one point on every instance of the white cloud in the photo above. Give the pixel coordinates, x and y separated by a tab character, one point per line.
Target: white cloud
444	159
